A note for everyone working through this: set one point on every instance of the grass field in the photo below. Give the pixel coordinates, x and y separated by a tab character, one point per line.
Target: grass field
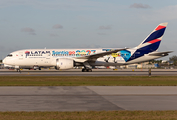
91	115
88	81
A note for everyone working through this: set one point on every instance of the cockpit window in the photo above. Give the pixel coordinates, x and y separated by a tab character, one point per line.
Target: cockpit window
9	55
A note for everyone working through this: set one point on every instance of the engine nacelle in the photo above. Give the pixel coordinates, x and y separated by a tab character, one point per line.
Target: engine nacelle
64	63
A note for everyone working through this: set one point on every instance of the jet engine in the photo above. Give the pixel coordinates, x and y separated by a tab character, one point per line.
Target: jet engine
64	63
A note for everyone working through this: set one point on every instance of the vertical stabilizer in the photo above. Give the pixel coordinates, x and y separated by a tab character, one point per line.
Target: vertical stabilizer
150	43
154	38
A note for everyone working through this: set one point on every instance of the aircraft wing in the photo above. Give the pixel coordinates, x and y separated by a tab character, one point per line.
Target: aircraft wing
160	53
98	55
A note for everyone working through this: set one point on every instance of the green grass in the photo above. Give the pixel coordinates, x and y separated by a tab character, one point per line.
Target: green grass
88	81
91	115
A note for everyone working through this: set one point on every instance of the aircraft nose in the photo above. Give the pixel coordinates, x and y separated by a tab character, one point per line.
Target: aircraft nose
4	61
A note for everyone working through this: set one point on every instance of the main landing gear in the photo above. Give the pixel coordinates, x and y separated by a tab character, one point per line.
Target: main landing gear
87	67
86	70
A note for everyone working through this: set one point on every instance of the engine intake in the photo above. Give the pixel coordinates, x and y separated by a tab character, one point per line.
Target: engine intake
64	63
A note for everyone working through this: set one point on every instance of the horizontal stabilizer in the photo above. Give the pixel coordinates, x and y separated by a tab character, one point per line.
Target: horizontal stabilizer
160	53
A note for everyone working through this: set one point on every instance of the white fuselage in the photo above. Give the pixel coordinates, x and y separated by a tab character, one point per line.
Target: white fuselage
47	57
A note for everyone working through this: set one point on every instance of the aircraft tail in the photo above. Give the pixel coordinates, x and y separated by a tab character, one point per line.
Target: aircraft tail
152	41
150	44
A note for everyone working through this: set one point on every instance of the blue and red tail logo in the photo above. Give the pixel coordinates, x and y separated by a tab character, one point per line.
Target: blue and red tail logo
156	35
151	43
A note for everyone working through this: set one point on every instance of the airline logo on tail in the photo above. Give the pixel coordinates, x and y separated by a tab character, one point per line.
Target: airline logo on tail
156	35
150	44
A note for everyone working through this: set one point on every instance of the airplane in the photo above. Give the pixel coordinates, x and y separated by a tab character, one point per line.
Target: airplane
69	58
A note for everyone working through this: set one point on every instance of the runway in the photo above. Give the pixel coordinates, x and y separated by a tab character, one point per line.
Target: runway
88	98
95	72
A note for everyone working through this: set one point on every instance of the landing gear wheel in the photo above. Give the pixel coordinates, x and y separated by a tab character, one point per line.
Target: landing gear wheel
89	70
84	70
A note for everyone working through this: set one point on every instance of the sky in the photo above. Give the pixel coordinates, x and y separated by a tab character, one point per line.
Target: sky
28	24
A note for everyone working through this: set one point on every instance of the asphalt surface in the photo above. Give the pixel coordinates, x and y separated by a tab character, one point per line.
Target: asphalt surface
88	98
95	72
